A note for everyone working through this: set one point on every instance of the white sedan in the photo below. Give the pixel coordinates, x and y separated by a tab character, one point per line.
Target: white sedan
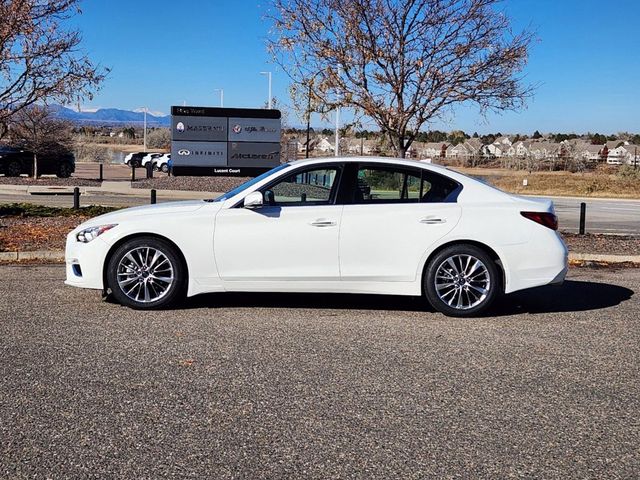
344	225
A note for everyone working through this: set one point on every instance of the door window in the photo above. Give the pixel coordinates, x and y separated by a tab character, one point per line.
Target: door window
309	187
382	184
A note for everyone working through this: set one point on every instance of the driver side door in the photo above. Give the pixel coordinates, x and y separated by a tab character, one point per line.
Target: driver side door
293	236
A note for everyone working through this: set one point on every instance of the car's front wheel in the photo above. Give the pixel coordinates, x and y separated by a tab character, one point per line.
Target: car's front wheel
146	273
164	168
462	281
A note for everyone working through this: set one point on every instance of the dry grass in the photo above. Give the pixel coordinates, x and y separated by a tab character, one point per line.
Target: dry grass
588	184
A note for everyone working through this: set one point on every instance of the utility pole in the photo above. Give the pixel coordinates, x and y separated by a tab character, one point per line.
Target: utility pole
270	100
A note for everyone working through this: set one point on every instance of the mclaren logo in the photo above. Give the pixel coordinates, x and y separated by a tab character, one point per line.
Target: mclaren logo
255	156
184	151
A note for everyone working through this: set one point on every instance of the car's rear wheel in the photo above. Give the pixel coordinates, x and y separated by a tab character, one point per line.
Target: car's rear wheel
146	273
462	281
65	169
155	167
14	169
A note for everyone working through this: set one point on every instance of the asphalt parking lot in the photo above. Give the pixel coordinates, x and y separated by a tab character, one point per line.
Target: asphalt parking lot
319	386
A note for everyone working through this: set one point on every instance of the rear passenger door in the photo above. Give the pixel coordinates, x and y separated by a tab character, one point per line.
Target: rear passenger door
394	215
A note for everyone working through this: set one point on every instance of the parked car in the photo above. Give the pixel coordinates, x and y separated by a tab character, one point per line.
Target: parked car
344	225
134	159
56	160
149	157
162	163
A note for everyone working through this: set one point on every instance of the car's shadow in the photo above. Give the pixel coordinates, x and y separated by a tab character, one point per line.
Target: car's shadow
572	296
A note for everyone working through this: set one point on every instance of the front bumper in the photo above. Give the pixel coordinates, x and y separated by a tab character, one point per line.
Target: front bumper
84	262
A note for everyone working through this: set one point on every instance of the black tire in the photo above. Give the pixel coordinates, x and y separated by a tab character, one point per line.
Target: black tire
155	167
461	281
165	168
120	266
65	169
14	169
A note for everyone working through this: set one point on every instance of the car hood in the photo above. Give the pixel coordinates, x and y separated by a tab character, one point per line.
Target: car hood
146	211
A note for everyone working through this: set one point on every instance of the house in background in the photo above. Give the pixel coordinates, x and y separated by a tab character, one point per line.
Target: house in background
629	154
324	145
434	149
519	149
544	149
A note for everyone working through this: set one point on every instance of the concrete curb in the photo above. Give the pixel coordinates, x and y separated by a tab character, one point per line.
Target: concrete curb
58	255
596	257
49	255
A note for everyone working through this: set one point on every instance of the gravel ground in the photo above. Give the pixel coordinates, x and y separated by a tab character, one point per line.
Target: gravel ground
198	184
602	244
49	180
36	233
319	386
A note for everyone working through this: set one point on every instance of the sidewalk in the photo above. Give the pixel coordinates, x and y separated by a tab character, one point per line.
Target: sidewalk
107	187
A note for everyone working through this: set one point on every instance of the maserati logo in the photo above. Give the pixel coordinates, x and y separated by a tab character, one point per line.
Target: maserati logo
180	127
184	152
237	128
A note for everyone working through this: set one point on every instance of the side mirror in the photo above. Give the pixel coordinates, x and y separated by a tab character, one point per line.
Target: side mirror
253	200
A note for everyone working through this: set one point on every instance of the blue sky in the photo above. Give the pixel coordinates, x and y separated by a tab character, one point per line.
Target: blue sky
162	53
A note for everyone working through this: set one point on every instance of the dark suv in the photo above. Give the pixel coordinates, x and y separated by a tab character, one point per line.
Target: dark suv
57	160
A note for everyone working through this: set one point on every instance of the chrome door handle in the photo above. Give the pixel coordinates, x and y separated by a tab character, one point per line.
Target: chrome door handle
323	223
432	220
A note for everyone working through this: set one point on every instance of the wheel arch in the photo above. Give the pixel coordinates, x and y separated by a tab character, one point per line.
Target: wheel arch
483	246
126	238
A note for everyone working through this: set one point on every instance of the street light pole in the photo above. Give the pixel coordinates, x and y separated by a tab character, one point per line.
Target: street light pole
144	135
270	101
221	90
306	151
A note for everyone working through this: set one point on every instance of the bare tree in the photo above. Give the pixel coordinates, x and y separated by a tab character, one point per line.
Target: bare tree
403	63
40	58
36	130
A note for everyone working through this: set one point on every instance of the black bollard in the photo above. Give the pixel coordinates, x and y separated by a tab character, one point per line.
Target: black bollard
76	198
153	196
101	172
583	217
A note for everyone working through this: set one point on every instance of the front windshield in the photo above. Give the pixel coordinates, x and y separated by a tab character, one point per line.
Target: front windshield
248	183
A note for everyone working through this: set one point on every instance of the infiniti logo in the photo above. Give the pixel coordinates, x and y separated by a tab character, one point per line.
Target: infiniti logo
184	152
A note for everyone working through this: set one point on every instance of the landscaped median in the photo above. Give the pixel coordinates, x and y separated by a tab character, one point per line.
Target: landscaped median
33	233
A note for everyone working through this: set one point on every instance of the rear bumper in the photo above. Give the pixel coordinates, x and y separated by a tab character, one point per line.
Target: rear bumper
544	263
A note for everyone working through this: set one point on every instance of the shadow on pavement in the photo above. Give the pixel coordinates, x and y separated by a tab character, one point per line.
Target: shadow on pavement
572	296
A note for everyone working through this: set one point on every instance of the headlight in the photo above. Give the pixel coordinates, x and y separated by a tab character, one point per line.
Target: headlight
90	233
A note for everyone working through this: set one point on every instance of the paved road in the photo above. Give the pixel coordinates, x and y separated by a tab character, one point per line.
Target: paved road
305	386
603	216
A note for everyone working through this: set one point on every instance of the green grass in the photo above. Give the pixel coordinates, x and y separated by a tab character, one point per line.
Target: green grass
30	210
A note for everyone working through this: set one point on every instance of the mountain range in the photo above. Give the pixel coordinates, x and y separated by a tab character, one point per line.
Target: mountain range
110	116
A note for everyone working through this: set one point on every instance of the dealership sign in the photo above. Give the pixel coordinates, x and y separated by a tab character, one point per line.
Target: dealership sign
224	141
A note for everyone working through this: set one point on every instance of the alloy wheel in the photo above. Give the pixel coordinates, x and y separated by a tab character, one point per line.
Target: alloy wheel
462	281
145	274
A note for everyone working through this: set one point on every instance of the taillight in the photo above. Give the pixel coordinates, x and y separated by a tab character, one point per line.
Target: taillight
547	219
